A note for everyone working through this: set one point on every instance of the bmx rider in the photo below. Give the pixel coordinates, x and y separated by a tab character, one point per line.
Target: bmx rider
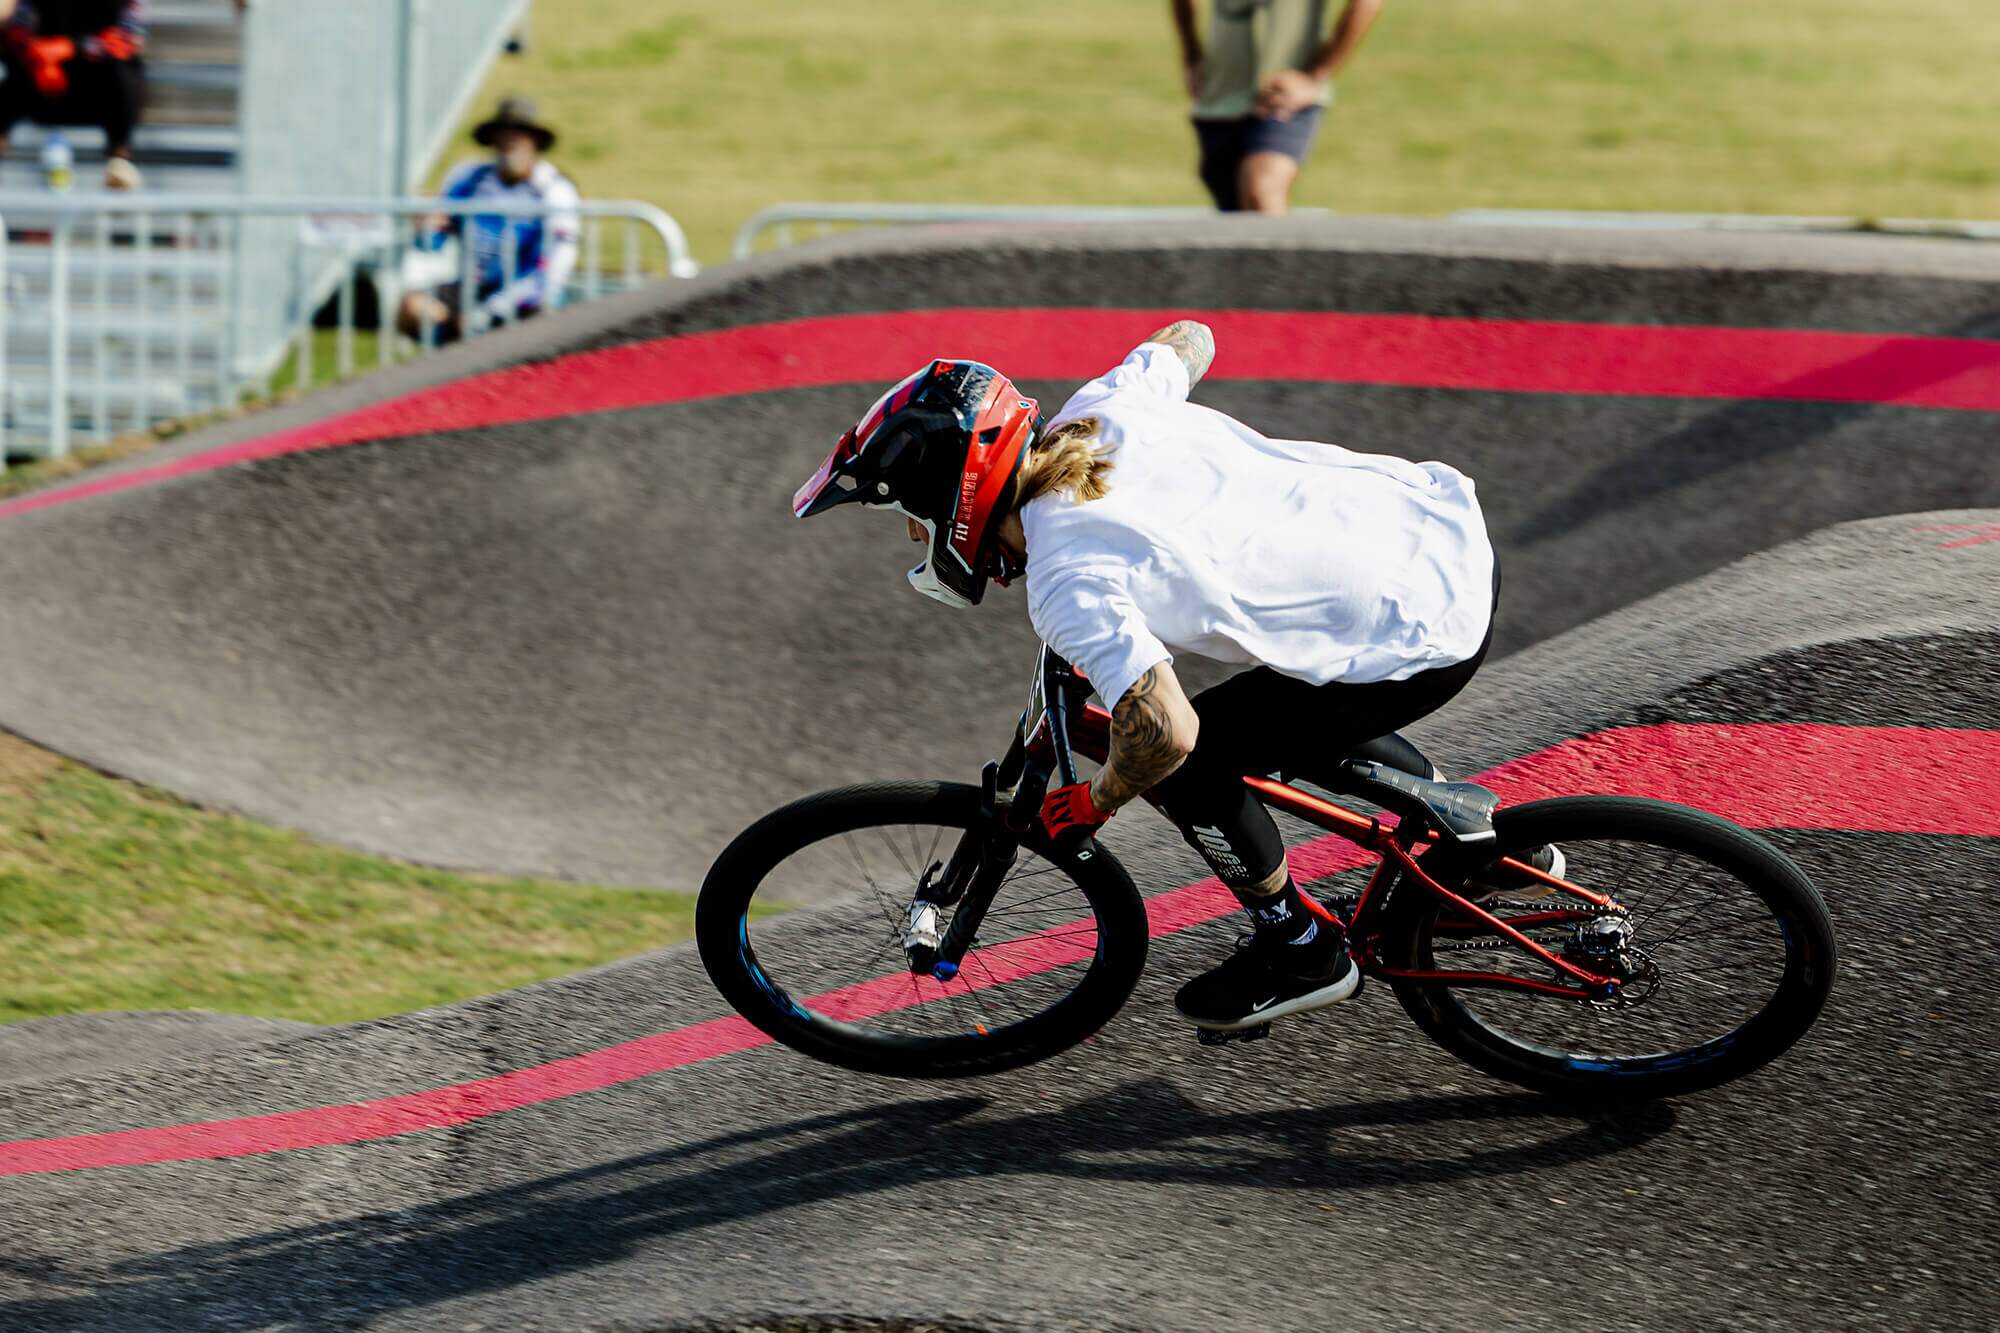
1359	590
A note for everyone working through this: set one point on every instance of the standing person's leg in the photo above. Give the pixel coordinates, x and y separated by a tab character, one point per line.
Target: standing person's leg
18	101
1221	143
123	102
1273	152
109	94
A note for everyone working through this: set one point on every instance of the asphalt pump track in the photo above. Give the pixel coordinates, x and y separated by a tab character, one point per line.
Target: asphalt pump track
537	605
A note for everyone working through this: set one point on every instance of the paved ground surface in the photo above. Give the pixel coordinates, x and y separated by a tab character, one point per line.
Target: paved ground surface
536	645
72	1044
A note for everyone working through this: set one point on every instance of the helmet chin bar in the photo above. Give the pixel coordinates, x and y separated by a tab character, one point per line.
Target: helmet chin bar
923	578
927	583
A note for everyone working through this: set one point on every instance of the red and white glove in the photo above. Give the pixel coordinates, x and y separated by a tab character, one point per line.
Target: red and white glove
46	57
113	43
1069	815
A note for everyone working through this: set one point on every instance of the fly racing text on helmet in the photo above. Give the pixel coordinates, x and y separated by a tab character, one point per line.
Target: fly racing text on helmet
944	448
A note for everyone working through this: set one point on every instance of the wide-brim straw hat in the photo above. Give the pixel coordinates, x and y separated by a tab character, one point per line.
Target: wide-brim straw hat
514	113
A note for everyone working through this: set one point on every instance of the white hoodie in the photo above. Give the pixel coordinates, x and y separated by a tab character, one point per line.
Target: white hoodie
1310	559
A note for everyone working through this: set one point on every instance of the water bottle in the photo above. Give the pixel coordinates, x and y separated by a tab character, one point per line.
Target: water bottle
58	162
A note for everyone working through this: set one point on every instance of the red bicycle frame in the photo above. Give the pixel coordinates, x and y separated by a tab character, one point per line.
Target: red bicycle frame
1089	735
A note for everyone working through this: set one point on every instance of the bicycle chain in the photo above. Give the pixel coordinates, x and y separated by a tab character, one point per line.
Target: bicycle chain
1497	905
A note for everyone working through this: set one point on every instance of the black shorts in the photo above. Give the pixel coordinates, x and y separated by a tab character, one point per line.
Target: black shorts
106	93
1226	143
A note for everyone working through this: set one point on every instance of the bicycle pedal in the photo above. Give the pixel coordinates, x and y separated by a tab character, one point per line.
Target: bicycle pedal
1217	1037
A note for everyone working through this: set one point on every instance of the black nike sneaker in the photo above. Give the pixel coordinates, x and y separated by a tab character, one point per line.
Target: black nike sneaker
1265	979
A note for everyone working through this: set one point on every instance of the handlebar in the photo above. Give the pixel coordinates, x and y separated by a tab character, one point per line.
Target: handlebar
1028	767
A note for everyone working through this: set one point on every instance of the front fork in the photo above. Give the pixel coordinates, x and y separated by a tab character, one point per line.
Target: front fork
985	854
978	866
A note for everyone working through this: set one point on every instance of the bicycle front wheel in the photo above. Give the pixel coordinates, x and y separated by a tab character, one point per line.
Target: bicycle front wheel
1056	954
1724	948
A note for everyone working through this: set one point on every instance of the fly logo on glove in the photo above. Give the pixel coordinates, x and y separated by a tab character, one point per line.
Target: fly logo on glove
1069	816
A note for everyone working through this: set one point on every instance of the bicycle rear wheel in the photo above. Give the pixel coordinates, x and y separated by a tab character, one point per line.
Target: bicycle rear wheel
1725	946
1056	954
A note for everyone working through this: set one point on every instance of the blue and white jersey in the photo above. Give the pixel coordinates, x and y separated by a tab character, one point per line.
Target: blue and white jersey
545	248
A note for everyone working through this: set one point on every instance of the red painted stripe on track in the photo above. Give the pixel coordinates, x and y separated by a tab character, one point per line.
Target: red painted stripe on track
1982	533
1514	356
1779	775
1784	775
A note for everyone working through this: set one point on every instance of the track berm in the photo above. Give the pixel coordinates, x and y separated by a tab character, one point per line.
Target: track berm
537	605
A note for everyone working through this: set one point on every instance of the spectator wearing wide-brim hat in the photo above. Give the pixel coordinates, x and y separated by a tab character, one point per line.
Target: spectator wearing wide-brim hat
514	113
516	279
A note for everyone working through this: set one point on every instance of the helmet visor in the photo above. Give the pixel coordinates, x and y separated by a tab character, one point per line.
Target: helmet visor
822	490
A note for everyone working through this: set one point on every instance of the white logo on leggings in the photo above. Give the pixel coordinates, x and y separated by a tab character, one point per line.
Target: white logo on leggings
1220	855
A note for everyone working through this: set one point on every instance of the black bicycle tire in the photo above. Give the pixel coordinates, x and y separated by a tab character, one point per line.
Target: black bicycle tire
731	884
1796	1004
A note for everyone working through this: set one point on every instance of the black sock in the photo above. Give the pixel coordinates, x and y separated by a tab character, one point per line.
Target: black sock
1283	917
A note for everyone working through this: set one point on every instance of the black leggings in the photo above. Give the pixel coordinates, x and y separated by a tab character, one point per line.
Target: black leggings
106	93
1263	722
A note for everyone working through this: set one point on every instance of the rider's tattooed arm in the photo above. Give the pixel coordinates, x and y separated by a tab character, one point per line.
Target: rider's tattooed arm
1193	342
1153	729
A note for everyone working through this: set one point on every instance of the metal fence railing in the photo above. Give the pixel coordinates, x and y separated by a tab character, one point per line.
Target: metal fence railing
782	225
1594	219
124	312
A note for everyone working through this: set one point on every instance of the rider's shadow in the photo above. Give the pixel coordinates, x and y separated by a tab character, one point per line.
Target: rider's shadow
352	1271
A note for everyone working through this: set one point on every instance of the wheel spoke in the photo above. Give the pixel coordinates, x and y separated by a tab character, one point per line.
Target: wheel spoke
1704	959
1043	896
850	952
1041	937
897	852
1671	896
1694	934
888	907
1031	874
992	983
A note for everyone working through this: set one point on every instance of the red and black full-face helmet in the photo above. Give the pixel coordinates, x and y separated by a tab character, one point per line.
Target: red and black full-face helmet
942	447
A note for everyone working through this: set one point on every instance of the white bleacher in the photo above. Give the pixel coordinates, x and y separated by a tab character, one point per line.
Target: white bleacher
186	144
180	297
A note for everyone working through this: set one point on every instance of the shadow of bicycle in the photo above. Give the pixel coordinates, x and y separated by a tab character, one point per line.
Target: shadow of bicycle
367	1266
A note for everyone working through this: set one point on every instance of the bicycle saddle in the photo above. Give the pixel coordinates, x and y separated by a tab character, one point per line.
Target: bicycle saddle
1461	812
1399	752
1394	750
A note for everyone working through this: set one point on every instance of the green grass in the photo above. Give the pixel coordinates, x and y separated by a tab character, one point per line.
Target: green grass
326	359
22	477
116	897
1783	106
